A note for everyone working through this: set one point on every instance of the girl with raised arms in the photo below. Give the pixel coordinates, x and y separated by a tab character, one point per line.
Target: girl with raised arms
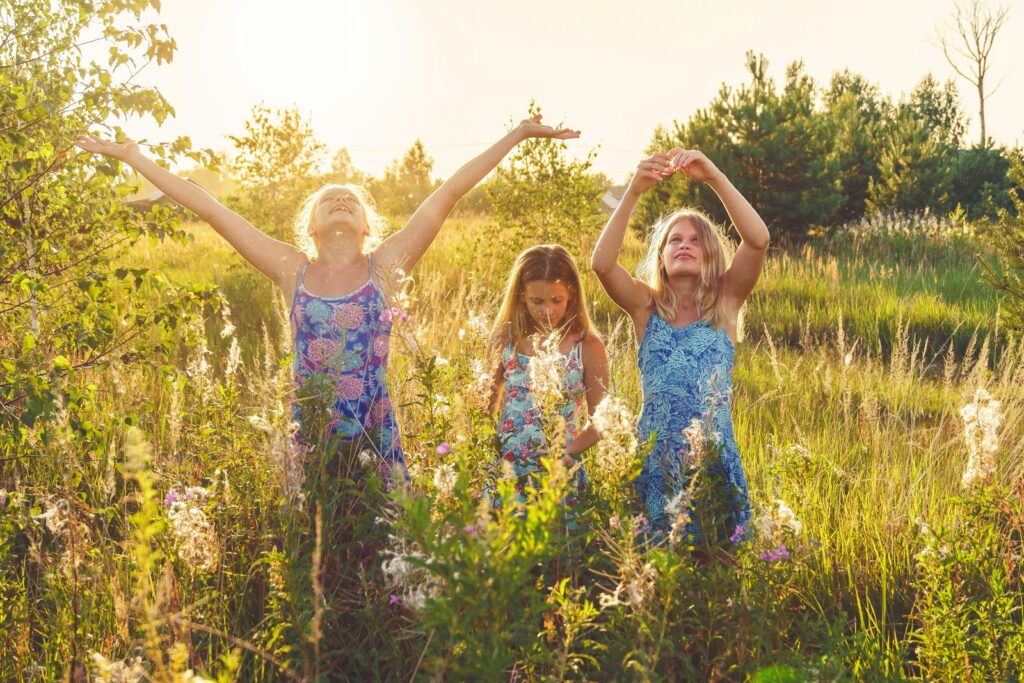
685	316
337	288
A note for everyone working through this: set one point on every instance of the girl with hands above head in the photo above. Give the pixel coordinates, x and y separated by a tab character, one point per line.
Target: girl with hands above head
685	312
337	285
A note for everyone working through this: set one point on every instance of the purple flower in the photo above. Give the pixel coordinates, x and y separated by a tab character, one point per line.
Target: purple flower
172	495
639	523
392	314
613	522
777	554
738	534
470	529
444	448
394	600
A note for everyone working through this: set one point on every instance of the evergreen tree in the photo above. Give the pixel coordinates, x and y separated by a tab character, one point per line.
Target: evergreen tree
771	144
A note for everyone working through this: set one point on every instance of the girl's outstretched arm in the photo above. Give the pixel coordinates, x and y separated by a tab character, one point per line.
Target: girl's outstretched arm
739	280
629	293
404	248
277	260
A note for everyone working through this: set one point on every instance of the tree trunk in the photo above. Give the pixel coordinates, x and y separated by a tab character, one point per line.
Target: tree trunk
981	110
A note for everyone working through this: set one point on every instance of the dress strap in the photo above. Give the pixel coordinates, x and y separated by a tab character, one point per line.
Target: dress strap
298	284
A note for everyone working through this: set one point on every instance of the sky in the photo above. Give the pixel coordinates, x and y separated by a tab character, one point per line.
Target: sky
373	76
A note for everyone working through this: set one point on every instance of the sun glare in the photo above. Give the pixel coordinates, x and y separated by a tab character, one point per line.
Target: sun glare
303	51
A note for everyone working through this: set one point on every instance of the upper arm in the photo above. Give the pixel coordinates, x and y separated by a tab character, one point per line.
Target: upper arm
497	374
406	247
628	293
595	371
742	275
277	260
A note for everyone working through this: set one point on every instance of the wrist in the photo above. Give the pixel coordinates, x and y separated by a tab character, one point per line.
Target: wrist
716	178
132	157
632	193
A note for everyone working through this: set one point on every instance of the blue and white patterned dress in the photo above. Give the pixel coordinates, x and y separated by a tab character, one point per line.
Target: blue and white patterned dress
520	432
686	373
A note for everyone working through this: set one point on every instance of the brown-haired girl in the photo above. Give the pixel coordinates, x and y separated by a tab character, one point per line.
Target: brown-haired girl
545	296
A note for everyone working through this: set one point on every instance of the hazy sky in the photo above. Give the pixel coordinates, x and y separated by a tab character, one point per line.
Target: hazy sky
376	75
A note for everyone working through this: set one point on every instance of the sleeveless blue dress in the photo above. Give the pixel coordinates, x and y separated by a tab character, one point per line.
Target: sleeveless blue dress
686	374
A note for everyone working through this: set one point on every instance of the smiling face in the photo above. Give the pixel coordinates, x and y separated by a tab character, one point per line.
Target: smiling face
338	212
682	253
546	302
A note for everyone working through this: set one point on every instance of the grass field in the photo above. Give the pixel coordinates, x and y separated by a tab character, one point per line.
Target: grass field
860	352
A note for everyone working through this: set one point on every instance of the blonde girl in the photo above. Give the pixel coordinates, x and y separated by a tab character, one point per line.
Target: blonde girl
685	313
340	316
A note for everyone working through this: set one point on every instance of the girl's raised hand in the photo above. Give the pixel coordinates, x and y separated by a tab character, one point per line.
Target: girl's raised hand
649	172
533	128
694	164
116	150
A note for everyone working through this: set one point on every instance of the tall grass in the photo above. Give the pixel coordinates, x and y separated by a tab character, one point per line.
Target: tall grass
847	401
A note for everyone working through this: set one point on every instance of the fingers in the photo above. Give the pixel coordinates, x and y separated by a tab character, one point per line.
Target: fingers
658	164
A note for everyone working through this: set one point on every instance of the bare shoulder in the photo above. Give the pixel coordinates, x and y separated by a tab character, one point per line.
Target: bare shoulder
592	350
289	275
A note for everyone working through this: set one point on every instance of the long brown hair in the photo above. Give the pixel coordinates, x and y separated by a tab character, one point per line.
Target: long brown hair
547	263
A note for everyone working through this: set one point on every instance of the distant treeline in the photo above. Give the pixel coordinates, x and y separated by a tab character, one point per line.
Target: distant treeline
808	155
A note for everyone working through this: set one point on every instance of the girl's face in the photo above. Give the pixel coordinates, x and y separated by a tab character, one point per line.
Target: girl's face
339	212
682	254
546	303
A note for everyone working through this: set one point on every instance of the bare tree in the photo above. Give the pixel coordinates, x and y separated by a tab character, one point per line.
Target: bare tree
967	43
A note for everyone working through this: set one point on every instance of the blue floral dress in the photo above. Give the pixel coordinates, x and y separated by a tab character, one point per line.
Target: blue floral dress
341	354
686	374
521	440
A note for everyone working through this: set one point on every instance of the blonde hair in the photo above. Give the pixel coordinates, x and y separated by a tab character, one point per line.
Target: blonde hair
547	263
303	226
716	254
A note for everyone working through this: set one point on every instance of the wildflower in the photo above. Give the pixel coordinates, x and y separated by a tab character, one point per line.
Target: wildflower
234	358
229	327
172	495
124	671
546	372
678	503
443	448
695	437
394	600
639	524
773	522
738	535
392	314
56	516
981	426
365	458
641	585
444	479
416	598
614	523
396	569
194	535
470	529
777	554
